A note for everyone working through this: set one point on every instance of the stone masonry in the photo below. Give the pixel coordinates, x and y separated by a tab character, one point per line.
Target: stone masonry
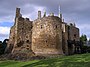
47	35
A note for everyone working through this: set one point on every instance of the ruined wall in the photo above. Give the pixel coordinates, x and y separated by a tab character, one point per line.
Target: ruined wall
12	35
70	34
11	40
73	37
44	36
47	36
73	33
22	34
65	38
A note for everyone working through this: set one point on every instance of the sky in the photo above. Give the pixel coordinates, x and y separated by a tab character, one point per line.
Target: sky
75	11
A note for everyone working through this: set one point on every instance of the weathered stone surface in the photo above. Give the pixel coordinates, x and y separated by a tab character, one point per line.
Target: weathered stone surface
46	35
20	34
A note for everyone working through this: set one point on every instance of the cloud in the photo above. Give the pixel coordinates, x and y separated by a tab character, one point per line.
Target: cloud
77	11
4	32
69	8
84	29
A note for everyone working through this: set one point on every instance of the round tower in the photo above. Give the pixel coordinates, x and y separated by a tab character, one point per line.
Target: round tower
47	36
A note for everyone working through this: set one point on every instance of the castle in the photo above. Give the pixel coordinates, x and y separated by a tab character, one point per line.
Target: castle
47	35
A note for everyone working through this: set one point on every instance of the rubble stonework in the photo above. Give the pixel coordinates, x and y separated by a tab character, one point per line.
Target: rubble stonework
47	35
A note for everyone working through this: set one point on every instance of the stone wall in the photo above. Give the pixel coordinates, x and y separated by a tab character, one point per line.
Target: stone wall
23	34
47	36
11	40
65	38
73	37
20	34
73	33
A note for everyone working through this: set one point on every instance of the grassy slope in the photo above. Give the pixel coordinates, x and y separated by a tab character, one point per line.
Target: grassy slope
81	60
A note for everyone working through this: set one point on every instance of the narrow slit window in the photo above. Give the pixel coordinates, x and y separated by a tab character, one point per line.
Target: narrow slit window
56	26
27	41
41	26
75	35
46	41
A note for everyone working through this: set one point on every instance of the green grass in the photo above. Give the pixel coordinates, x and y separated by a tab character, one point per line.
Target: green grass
80	60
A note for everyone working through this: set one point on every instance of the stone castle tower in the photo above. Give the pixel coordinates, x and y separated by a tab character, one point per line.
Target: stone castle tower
47	35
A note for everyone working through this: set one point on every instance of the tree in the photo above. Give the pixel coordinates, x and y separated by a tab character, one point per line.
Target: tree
83	38
3	46
0	42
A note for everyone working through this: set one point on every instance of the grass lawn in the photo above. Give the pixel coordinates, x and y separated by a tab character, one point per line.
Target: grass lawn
80	60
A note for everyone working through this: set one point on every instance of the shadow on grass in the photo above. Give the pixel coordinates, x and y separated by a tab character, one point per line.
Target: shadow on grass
63	62
58	64
6	63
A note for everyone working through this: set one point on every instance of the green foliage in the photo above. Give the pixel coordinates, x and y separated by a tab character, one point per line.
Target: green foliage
0	42
83	38
80	60
3	46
